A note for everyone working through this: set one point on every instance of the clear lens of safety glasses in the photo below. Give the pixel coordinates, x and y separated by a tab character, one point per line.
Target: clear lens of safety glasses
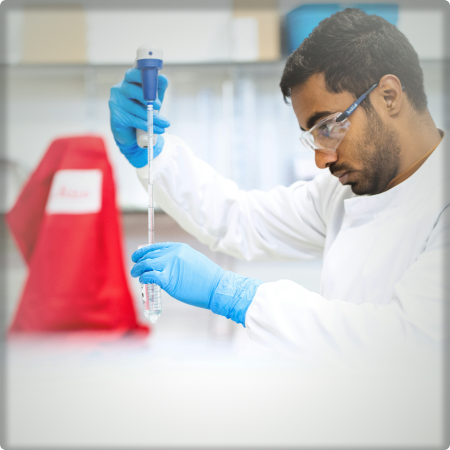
326	135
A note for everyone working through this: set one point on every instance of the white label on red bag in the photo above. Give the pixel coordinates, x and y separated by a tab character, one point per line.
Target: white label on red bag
75	192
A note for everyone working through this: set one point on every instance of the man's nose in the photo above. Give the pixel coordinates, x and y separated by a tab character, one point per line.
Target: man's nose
323	160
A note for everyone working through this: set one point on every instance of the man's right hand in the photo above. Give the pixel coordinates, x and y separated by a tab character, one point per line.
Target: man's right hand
129	111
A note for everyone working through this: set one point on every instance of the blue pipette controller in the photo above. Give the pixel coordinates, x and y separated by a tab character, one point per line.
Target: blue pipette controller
149	60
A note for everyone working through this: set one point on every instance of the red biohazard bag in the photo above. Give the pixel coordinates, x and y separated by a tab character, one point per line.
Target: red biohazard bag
67	227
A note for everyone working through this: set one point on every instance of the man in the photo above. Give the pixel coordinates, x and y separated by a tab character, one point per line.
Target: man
379	215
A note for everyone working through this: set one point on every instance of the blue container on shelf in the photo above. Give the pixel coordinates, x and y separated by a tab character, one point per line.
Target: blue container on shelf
302	20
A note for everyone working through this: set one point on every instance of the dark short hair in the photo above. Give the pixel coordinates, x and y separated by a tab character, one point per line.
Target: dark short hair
354	50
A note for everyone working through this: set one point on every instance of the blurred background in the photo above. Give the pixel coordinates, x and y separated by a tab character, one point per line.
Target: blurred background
224	61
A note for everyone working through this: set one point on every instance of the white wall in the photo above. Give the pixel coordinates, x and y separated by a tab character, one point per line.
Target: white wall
185	35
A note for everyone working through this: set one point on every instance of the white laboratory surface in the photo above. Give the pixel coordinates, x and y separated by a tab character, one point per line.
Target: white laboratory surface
191	392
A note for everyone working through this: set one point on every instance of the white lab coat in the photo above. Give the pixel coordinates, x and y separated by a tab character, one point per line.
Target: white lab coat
382	284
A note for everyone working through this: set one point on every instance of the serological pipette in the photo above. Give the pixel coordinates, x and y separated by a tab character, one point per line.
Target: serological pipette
150	62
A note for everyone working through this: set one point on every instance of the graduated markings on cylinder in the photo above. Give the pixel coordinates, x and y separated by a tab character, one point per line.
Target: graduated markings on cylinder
153	293
150	172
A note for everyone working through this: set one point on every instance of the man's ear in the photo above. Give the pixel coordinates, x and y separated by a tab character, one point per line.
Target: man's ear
390	93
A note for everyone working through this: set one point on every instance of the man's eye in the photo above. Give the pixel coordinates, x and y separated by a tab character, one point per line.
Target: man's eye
325	129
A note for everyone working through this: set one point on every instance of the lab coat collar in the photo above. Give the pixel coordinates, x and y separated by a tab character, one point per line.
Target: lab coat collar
419	183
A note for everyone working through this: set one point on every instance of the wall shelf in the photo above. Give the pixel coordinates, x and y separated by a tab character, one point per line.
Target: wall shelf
166	65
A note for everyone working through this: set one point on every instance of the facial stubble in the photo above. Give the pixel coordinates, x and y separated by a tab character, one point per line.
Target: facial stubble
378	153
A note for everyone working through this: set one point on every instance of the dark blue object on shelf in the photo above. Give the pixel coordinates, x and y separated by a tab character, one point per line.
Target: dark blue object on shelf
302	20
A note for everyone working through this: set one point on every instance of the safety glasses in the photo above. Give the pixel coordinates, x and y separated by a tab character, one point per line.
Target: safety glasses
328	133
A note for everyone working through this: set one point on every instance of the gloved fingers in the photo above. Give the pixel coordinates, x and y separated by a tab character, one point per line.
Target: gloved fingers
129	149
135	108
142	125
158	130
124	123
125	138
163	82
147	265
160	121
156	105
157	257
138	111
130	90
133	78
152	278
138	254
136	122
133	75
135	93
137	157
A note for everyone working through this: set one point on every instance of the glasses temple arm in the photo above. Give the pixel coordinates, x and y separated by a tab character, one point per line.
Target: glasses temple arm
348	111
345	114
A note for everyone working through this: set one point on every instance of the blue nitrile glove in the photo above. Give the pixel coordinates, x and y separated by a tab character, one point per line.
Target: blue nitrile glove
129	111
191	277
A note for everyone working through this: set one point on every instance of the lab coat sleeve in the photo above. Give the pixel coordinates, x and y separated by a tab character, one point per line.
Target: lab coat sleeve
288	317
284	223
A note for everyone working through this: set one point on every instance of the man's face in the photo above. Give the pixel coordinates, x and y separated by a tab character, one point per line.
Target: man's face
367	159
